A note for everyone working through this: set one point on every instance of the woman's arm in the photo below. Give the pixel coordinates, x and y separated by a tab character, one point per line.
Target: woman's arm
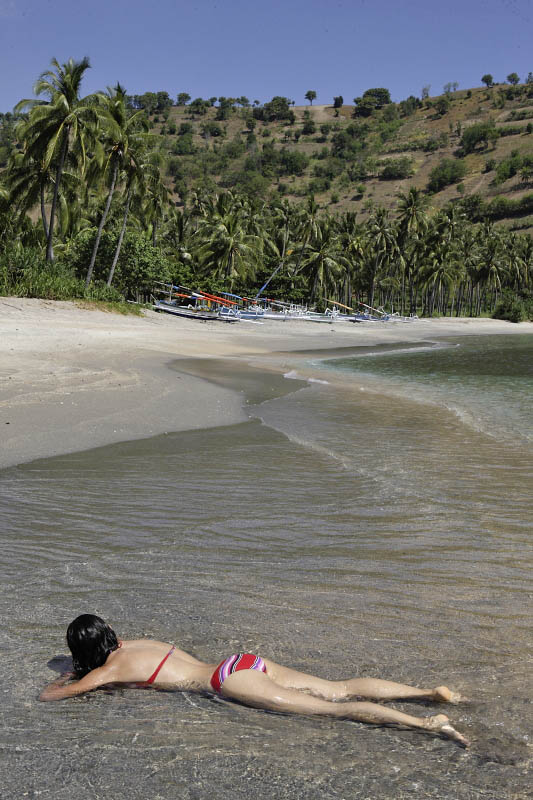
61	688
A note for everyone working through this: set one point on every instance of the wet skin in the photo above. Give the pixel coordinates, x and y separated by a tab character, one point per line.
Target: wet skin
279	689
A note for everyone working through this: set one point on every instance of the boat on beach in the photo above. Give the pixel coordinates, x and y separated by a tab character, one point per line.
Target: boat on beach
228	307
173	304
191	313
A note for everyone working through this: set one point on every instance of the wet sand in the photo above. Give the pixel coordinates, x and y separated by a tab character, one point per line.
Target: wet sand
73	378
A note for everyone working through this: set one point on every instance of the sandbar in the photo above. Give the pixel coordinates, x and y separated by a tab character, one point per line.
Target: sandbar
73	378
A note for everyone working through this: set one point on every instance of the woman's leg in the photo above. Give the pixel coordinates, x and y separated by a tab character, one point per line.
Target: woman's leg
256	689
372	688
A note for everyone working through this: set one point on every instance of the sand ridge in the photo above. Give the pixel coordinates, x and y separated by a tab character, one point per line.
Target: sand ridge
72	378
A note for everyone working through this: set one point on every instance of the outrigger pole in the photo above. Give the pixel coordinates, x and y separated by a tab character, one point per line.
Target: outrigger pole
373	309
213	298
336	303
263	287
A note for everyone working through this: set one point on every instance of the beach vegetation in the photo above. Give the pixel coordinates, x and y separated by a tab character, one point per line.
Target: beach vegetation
102	196
512	308
58	128
24	272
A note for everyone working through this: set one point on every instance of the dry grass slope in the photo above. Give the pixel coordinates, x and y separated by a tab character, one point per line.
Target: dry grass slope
342	194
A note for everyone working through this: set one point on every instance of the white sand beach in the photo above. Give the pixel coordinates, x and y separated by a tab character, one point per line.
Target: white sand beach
73	378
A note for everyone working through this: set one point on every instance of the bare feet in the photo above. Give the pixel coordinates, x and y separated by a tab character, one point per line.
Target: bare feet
444	695
441	724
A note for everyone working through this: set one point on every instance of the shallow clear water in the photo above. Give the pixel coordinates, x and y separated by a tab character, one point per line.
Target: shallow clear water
486	380
359	526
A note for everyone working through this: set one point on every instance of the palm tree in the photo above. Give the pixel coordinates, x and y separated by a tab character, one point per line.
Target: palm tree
228	251
412	228
57	125
156	200
179	236
135	187
382	247
412	216
120	142
323	265
351	243
492	269
28	181
275	235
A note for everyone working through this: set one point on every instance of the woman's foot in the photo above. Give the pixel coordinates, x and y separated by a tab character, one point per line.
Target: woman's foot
441	724
444	695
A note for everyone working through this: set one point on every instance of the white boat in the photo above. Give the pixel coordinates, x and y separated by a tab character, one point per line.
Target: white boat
171	307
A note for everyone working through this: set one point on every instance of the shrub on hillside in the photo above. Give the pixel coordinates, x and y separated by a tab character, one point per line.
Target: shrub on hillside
510	166
183	145
480	133
277	108
447	172
396	169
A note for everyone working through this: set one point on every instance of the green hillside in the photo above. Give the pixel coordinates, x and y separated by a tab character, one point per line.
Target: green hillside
353	162
423	205
350	158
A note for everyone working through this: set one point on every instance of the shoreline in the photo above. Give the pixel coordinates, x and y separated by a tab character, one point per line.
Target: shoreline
72	379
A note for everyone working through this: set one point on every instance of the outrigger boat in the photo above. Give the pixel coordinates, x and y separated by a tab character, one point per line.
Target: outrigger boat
172	306
228	307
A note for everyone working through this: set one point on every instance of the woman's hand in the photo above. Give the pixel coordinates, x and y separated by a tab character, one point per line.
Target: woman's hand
53	690
58	690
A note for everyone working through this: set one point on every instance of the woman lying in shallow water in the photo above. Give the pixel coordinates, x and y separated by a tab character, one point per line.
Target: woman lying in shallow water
99	658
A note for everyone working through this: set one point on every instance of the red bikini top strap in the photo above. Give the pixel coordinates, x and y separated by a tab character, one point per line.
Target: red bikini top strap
152	677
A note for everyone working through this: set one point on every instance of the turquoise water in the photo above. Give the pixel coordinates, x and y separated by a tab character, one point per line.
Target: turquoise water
486	380
376	522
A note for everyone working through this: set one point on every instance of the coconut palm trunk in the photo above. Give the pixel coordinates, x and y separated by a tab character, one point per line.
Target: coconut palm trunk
120	239
59	172
101	225
43	211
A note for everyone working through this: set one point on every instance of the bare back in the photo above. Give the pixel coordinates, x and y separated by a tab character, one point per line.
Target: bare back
136	660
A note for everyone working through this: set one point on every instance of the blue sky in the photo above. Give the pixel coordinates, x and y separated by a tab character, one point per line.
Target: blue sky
261	49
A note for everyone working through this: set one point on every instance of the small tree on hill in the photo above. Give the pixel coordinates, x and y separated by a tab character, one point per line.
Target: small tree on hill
338	102
447	172
488	80
198	106
309	126
480	133
163	101
425	92
183	98
513	78
310	95
381	96
442	105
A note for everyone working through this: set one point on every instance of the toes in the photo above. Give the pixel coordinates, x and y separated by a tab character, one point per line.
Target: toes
440	724
449	732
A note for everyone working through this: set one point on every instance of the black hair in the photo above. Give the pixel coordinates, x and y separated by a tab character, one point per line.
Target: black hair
90	640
